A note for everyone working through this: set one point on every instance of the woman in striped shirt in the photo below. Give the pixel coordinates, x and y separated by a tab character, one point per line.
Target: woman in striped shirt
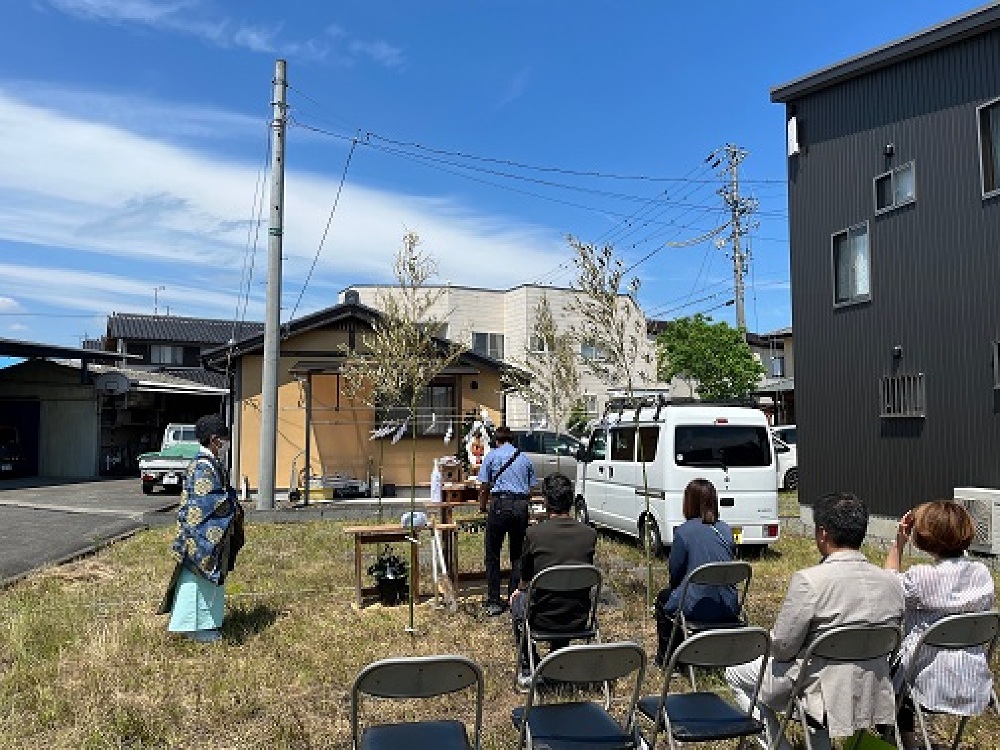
948	681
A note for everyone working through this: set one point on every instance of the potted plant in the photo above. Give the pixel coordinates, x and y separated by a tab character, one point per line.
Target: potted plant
391	577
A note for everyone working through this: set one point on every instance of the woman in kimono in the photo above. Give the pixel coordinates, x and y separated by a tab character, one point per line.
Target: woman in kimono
209	534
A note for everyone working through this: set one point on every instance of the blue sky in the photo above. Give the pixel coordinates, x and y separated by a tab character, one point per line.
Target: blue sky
135	133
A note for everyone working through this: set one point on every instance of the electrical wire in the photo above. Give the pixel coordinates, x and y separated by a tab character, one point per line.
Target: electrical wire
326	229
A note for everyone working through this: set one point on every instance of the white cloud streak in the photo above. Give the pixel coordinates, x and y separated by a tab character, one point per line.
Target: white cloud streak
190	17
119	212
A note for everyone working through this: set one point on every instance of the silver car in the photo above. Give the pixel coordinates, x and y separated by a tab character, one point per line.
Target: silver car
550	452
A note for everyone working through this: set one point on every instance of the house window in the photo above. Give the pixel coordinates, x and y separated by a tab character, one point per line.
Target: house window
435	409
851	266
536	417
903	396
989	146
895	188
160	354
537	344
590	350
996	364
590	404
488	344
778	367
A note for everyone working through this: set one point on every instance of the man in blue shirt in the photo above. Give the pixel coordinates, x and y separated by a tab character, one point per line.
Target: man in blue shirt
508	475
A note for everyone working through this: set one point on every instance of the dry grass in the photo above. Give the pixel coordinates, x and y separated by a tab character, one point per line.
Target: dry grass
85	664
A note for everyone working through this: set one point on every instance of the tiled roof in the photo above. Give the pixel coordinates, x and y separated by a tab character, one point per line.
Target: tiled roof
135	327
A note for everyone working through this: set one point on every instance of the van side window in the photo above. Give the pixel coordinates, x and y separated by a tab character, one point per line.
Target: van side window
623	444
598	445
721	446
648	438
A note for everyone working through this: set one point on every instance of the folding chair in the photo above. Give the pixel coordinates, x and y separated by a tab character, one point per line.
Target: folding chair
736	574
417	677
706	716
581	724
839	644
969	630
561	579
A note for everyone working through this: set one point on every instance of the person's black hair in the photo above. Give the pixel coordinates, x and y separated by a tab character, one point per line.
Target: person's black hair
558	492
208	427
844	516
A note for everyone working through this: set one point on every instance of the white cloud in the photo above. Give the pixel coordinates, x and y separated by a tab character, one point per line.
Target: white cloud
159	213
191	17
8	304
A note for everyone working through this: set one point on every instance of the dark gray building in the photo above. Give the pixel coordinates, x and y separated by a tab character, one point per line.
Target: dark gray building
894	216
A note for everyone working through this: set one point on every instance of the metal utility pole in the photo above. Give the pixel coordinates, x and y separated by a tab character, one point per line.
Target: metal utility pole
156	299
740	207
272	315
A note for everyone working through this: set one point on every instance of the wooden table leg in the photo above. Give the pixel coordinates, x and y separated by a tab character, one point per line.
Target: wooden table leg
357	569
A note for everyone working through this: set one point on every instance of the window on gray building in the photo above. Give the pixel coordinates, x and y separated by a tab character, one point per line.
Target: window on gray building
162	354
778	367
851	266
895	188
996	364
488	344
989	146
903	396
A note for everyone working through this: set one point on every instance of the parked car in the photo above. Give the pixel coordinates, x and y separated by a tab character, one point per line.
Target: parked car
167	466
549	451
787	461
785	433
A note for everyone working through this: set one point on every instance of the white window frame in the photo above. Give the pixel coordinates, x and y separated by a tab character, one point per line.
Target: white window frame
891	175
856	298
590	351
494	344
995	190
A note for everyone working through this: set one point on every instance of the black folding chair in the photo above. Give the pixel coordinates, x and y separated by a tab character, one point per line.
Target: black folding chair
840	644
562	579
417	677
954	632
706	716
734	574
581	724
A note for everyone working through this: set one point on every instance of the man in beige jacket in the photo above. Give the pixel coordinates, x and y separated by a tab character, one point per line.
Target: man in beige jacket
844	589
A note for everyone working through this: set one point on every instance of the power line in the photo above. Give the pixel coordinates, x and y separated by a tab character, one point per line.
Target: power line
326	229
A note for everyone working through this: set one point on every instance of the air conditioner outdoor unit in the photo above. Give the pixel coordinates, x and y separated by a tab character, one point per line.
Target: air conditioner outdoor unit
983	505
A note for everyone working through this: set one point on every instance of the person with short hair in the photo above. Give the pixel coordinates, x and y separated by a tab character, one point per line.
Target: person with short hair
844	589
558	540
209	534
948	680
702	538
507	476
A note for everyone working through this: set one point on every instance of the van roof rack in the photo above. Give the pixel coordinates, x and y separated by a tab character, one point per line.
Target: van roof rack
640	400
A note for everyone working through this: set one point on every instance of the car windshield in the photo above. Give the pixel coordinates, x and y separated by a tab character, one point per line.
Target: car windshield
722	446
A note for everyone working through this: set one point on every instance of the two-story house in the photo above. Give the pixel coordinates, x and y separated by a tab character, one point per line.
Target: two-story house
894	221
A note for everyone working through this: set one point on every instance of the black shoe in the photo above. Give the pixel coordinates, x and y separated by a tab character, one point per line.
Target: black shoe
658	661
493	609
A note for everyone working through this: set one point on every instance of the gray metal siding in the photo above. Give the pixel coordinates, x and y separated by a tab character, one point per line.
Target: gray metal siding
935	278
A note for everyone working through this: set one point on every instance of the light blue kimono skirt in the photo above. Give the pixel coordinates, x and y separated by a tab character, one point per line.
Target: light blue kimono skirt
198	604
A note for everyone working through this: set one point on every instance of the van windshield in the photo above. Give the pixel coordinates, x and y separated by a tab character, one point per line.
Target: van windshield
721	445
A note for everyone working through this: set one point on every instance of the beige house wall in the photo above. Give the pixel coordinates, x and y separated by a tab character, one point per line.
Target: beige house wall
339	425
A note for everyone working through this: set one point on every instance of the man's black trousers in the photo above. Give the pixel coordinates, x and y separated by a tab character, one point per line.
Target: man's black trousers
508	516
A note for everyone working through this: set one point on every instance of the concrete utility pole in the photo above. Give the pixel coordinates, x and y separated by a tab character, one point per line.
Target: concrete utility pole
740	207
272	314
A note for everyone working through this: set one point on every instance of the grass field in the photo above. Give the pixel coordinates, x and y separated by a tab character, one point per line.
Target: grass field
84	662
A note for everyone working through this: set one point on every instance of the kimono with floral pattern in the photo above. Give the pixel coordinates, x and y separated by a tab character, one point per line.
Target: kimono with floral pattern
208	516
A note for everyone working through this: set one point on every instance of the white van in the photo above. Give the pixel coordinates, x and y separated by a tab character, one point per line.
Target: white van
731	446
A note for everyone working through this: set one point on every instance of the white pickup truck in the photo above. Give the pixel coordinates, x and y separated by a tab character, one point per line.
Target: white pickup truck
167	466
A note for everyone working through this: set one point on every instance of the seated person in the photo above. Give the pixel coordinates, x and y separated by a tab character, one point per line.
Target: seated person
949	681
844	589
558	540
702	538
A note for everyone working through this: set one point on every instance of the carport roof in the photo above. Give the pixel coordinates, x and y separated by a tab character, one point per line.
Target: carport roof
35	350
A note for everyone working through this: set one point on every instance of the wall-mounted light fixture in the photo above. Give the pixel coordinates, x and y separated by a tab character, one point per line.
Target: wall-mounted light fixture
889	149
897	352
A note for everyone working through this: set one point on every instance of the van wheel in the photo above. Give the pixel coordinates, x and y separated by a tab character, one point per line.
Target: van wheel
580	512
147	488
651	536
792	479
